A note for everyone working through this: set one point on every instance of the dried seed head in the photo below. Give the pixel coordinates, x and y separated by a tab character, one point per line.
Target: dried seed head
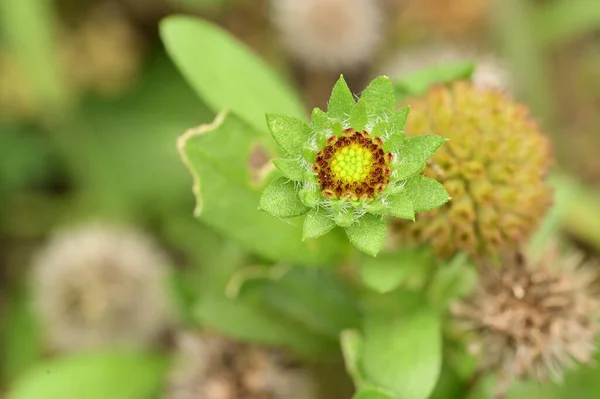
99	286
212	367
329	34
494	168
353	166
532	319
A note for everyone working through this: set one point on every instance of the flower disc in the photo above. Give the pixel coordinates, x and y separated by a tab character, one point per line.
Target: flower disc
353	166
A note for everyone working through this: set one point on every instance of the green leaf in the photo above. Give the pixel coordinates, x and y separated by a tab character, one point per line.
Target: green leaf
358	117
379	99
341	101
419	82
290	133
215	155
317	224
217	311
368	234
317	300
289	168
421	148
402	353
369	392
426	194
452	281
386	273
351	342
226	74
93	376
280	199
401	206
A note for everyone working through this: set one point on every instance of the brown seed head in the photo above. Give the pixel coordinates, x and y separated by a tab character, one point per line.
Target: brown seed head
532	319
494	168
212	367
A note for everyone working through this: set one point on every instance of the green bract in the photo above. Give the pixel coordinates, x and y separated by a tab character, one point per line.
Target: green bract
352	167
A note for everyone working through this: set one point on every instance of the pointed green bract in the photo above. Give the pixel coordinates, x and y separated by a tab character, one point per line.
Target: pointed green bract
358	117
280	199
289	168
379	99
398	120
426	194
342	101
401	206
421	148
381	129
394	142
289	133
316	224
368	234
409	169
319	121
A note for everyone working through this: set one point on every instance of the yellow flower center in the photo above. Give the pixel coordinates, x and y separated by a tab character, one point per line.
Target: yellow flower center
352	164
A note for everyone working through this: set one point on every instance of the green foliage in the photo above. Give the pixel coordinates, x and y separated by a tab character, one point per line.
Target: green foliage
225	74
399	351
419	82
386	273
93	376
20	341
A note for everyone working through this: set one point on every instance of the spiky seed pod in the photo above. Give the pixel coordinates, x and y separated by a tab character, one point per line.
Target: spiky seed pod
212	367
99	286
329	34
352	167
493	166
532	319
490	71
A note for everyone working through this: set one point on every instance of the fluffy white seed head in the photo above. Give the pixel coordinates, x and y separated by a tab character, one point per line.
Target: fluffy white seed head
99	286
329	34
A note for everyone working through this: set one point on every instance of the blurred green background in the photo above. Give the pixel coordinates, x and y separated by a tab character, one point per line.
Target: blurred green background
91	107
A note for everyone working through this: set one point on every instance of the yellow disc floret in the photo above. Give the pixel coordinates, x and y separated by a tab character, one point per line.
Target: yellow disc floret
352	164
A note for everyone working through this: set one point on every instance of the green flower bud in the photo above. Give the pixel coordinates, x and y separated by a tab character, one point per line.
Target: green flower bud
357	167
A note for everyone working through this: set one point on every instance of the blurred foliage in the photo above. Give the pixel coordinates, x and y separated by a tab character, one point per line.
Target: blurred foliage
78	154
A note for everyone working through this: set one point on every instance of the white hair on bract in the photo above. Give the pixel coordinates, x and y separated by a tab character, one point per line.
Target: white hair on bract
329	34
98	286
